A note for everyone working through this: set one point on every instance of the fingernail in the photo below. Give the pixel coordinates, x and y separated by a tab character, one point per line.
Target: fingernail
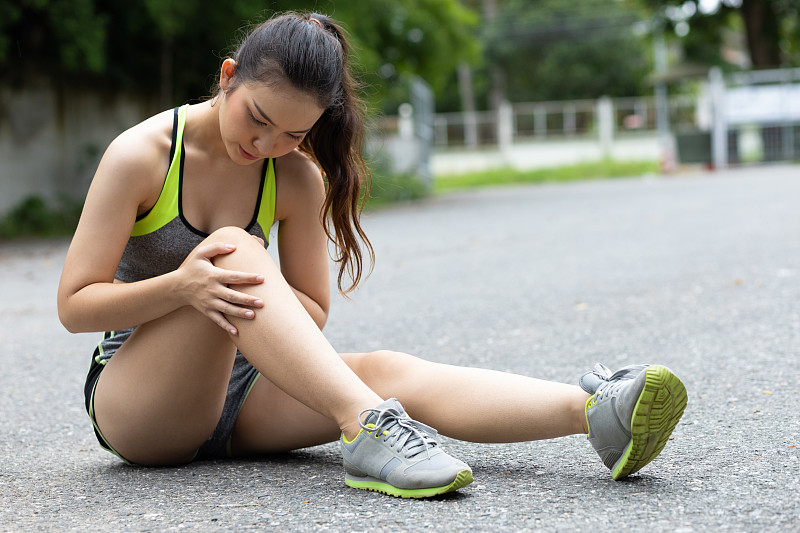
249	314
229	246
258	302
232	331
260	278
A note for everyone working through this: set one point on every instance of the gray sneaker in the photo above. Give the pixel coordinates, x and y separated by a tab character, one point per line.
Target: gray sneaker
632	414
590	381
399	456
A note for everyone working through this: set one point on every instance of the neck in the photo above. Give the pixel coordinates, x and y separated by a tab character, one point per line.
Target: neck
203	128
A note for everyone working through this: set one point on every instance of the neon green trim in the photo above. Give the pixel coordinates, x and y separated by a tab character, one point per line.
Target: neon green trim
228	450
266	209
370	426
463	479
97	428
166	207
349	441
100	351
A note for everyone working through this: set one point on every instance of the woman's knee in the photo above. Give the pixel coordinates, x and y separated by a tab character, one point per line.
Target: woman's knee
232	235
382	366
245	244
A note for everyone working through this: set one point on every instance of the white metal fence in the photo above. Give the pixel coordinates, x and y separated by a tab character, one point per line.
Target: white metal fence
554	120
744	117
759	117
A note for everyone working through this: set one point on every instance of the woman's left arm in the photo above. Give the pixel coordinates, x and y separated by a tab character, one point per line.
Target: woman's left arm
302	243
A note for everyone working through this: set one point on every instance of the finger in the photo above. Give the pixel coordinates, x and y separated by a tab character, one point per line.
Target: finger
233	277
241	298
215	248
230	310
220	320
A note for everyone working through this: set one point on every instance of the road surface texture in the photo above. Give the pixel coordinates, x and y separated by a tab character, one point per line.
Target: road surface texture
699	272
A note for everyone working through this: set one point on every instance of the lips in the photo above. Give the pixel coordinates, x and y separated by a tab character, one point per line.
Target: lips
247	155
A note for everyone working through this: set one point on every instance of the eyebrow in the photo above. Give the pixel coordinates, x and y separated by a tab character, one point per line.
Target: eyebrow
265	117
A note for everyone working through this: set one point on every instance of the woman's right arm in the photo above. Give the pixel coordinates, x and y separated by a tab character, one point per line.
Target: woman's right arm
88	298
128	180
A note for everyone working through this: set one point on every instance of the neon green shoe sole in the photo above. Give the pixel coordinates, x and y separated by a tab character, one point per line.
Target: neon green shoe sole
657	412
463	479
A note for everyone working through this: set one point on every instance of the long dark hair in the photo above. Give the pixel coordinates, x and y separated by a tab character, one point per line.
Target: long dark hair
310	52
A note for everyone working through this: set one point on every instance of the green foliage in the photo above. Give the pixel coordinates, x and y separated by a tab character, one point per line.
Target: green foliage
170	16
130	45
389	187
423	37
559	49
771	29
34	216
506	176
80	33
52	37
9	16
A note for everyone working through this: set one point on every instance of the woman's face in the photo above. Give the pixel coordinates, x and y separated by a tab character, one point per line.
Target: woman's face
258	121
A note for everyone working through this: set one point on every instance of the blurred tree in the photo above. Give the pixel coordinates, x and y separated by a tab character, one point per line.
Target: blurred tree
559	49
172	48
397	38
41	36
771	28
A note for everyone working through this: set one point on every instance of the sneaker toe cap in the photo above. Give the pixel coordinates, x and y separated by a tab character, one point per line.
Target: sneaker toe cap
438	470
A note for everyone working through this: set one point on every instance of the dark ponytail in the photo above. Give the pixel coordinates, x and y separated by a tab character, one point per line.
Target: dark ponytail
310	52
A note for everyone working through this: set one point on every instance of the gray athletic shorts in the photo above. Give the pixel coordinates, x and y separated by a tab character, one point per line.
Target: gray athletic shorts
218	445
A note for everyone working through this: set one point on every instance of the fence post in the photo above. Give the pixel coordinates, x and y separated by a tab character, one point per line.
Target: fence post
468	105
405	121
719	129
540	122
605	124
470	129
569	119
423	105
505	126
788	126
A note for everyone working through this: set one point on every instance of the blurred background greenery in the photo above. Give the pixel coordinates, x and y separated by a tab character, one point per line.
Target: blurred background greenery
543	49
474	54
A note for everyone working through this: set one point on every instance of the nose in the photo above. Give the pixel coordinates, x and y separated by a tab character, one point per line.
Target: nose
264	143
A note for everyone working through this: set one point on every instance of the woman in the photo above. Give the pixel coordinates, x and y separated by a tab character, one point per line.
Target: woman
212	350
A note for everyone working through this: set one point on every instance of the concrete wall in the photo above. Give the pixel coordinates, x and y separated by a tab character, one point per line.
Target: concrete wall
51	140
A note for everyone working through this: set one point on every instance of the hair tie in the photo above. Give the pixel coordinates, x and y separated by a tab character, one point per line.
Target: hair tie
312	19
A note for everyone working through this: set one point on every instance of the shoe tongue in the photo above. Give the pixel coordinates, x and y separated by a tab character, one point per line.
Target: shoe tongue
417	441
391	403
592	381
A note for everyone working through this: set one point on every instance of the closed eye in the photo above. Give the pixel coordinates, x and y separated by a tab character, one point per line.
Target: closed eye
296	138
256	121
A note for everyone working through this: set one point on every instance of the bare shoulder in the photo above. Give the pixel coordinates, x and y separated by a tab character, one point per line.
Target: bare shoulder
139	156
299	183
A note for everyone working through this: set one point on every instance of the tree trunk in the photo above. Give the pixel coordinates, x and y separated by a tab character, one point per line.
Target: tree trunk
761	24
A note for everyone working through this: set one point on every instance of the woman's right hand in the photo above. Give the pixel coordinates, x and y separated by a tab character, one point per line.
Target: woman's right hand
207	287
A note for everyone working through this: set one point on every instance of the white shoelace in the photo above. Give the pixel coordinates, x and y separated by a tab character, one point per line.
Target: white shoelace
402	433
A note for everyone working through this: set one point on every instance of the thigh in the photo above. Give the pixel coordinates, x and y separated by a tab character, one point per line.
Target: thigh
161	395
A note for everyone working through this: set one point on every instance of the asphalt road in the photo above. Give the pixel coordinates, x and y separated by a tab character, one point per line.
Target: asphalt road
700	272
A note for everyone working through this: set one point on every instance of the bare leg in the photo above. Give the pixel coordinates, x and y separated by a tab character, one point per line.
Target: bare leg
161	394
475	404
465	403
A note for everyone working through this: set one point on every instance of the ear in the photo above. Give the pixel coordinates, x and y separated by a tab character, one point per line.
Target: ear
226	74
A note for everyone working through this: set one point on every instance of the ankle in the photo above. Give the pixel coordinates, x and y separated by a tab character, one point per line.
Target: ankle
580	416
350	431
